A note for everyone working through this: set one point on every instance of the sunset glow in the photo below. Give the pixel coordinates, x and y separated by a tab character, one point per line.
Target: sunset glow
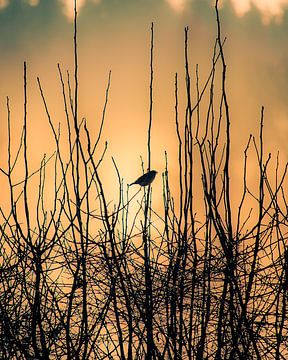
269	9
68	7
3	3
144	179
51	43
178	5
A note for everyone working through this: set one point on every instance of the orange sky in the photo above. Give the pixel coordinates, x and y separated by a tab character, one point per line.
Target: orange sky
114	35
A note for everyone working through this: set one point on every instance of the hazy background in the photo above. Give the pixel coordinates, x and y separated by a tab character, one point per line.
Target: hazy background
115	35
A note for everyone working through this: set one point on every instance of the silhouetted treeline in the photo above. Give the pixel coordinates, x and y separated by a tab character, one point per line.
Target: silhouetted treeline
83	278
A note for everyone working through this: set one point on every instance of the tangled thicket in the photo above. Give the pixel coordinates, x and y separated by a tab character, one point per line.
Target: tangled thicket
89	282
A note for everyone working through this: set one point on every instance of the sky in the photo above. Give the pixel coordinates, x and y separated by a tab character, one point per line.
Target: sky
115	35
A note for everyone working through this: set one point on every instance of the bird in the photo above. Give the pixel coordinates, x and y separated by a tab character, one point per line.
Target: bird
145	179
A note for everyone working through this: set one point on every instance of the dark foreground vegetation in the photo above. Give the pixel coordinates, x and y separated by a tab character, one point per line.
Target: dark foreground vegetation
81	279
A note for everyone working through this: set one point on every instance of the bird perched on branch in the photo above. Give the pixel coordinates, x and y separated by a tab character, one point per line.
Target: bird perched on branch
145	179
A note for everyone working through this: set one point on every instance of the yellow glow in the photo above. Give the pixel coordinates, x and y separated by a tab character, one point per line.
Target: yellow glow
68	7
3	3
178	5
269	9
241	7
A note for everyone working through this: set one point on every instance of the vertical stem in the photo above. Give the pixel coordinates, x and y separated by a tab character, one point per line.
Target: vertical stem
75	67
146	229
27	215
150	96
227	115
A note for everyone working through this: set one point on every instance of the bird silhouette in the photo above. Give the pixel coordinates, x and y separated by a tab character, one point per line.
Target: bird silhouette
145	179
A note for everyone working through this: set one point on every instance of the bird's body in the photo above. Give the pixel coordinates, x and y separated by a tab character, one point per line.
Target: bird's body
145	179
